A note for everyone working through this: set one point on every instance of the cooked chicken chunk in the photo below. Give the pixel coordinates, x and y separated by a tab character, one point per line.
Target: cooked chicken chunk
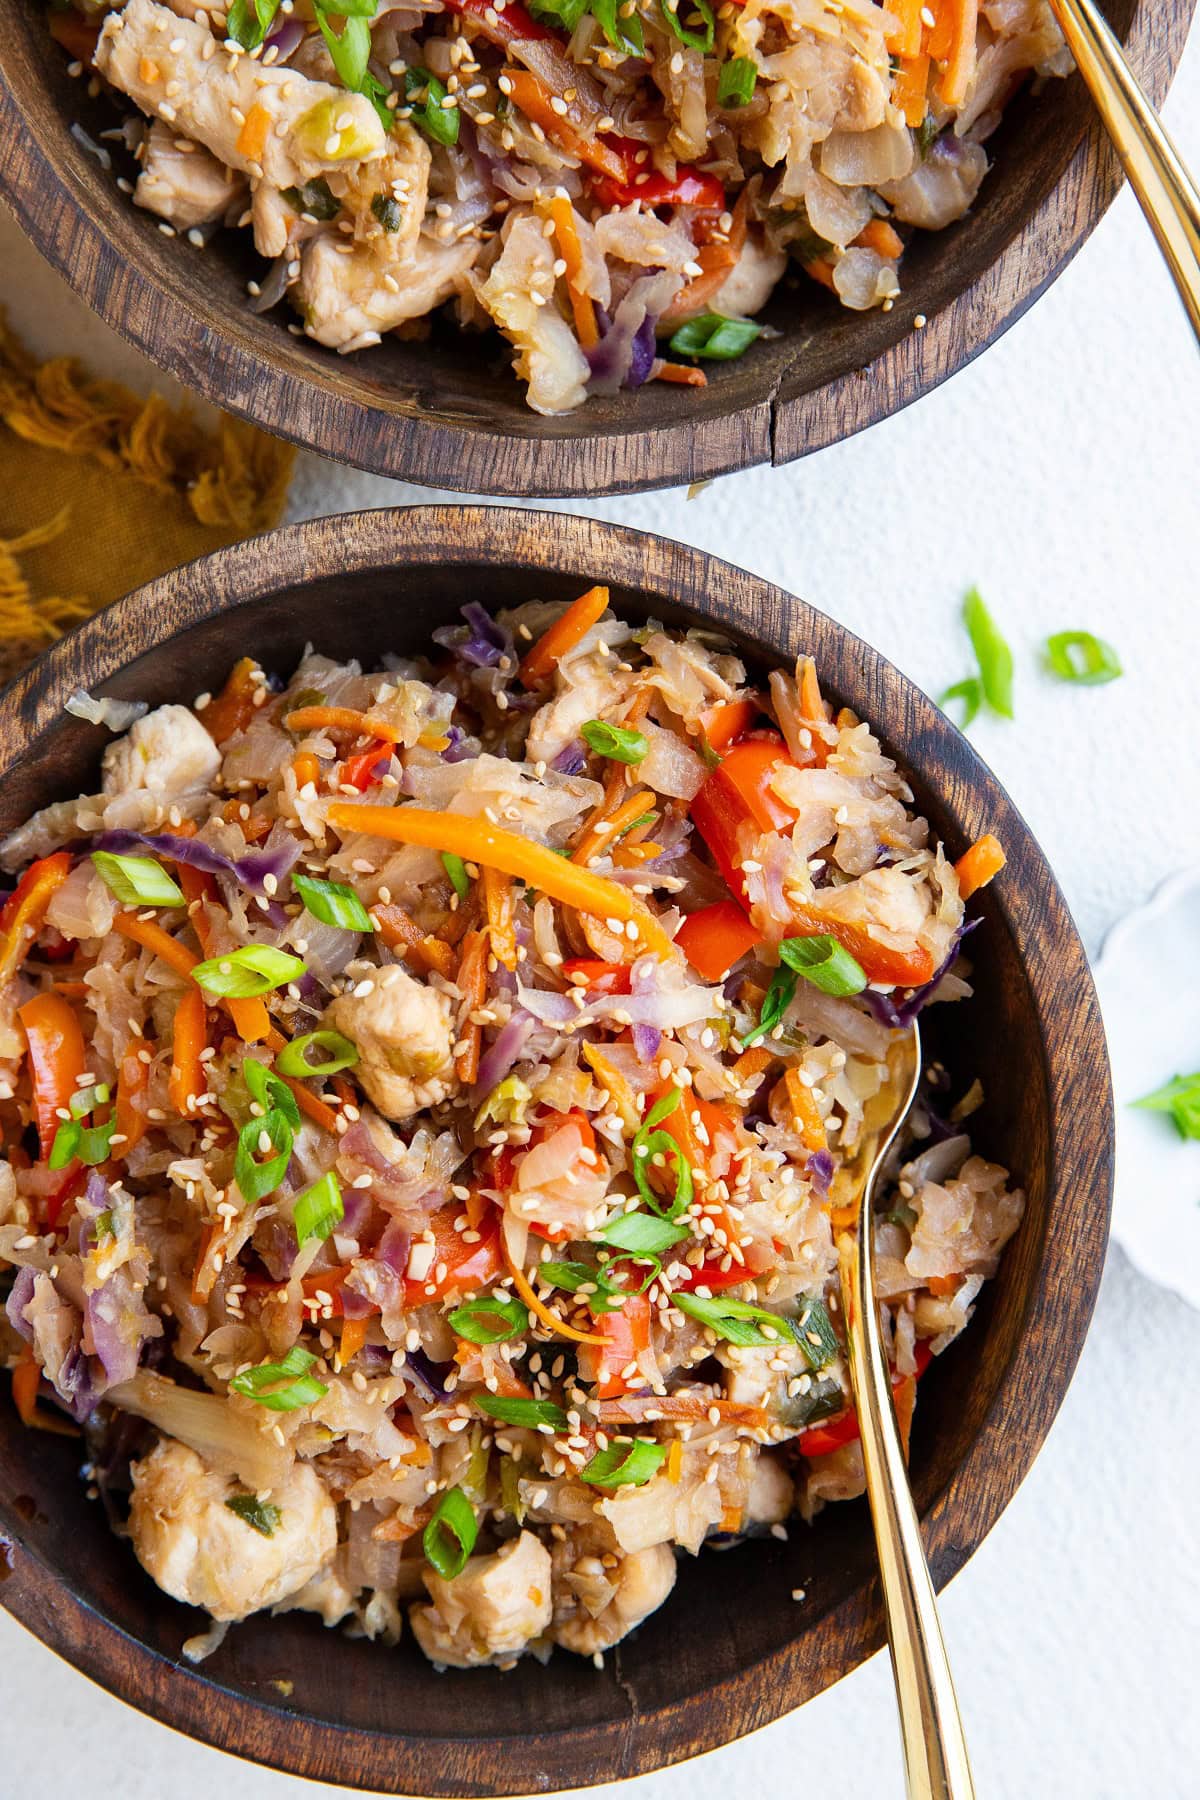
549	358
772	1495
347	302
201	1551
271	124
597	1606
168	751
492	1611
182	182
750	283
386	198
403	1032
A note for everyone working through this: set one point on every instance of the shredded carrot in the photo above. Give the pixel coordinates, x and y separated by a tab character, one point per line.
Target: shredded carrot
476	840
979	865
752	1062
537	103
731	1519
566	631
306	767
910	88
472	984
805	1111
678	374
400	931
904	1403
821	269
498	902
160	943
204	1274
341	718
881	237
606	831
549	1319
133	1078
25	909
951	44
186	1080
254	828
475	1207
250	1017
252	138
714	259
354	1336
25	1379
906	39
234	707
941	1285
434	957
614	1085
675	1459
563	215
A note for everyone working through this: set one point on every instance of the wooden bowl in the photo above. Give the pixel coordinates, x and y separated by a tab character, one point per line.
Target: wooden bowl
731	1650
450	414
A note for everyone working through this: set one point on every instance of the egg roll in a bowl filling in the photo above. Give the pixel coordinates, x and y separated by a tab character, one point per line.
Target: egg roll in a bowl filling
431	1098
615	186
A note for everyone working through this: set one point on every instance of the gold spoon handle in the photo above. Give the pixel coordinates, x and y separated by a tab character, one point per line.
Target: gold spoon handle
935	1749
1166	192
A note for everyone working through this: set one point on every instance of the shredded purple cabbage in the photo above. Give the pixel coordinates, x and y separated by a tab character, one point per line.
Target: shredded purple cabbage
820	1171
250	870
626	350
500	1055
570	761
427	1377
898	1016
646	1039
481	644
19	1297
456	750
642	352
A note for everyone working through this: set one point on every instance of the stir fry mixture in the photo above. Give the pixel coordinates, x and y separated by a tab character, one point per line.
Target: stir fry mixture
430	1100
615	185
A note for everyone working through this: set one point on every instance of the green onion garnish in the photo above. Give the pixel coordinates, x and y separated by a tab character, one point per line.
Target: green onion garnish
737	81
318	1209
282	1386
714	337
425	93
625	1464
317	200
623	33
642	1234
91	1144
248	21
137	880
566	14
1180	1098
649	1143
450	1535
698	32
293	1058
387	211
510	1488
737	1320
970	692
514	1410
349	49
257	1178
260	1515
333	903
824	1399
825	963
1082	657
992	653
85	1100
815	1334
776	1000
273	1095
243	974
489	1319
603	1295
456	869
617	742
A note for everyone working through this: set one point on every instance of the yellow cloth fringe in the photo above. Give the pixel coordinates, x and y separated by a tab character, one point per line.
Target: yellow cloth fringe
101	489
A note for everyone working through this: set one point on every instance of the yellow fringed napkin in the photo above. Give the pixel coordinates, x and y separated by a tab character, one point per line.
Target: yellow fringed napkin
102	489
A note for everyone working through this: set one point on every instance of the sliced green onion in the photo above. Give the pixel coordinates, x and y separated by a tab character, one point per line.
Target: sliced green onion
510	1488
513	1410
317	200
387	211
625	1464
1180	1098
926	136
318	1209
248	21
566	14
450	1535
91	1144
243	974
776	1000
256	1179
736	1320
282	1386
85	1100
623	33
824	1399
349	49
1081	656
293	1058
737	81
489	1319
714	337
424	93
825	963
698	36
260	1515
617	742
273	1095
333	902
137	880
603	1295
456	869
992	653
970	692
64	1146
815	1334
642	1234
649	1143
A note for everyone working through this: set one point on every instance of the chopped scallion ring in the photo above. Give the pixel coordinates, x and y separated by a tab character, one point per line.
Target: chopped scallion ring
333	902
992	653
137	880
625	1464
737	1321
260	1515
617	742
489	1319
283	1386
825	963
256	1178
714	338
514	1410
450	1535
1082	657
243	974
293	1059
318	1210
737	81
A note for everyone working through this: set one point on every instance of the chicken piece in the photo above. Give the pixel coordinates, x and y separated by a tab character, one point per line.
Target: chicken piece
347	303
519	297
492	1611
596	1607
168	751
271	124
201	1551
182	182
274	221
403	1031
772	1495
750	283
386	198
941	188
202	10
326	1594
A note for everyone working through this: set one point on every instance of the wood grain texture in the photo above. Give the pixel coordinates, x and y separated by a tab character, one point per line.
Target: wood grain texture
449	413
730	1651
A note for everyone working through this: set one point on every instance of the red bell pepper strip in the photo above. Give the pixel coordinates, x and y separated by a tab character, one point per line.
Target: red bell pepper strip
628	1333
364	769
598	978
57	1058
24	911
737	796
463	1267
688	186
822	1440
723	724
716	937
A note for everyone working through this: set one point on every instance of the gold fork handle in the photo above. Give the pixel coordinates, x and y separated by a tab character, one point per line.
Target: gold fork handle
1166	192
935	1749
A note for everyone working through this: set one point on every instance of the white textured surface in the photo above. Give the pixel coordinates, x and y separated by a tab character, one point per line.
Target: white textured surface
1059	472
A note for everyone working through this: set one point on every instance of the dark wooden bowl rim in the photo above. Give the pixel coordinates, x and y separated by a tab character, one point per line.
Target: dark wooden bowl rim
1062	1288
